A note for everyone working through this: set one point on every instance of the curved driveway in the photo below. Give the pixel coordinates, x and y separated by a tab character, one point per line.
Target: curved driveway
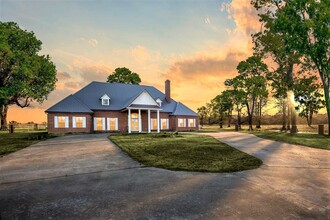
87	177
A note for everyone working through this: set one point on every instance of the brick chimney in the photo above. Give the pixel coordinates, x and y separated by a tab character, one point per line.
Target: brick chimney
168	90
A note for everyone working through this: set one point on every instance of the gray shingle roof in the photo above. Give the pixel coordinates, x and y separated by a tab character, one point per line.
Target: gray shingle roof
181	109
70	104
121	95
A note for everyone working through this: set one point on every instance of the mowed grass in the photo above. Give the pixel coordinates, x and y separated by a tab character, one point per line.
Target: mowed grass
185	152
10	143
305	139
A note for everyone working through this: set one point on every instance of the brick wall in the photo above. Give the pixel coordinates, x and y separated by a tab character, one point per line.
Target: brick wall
52	129
122	121
174	123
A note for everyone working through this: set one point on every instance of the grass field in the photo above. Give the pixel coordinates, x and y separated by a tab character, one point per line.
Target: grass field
301	128
185	152
305	139
10	143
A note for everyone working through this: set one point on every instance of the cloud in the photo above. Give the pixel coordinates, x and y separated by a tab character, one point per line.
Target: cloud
61	76
140	53
93	42
95	73
244	15
207	20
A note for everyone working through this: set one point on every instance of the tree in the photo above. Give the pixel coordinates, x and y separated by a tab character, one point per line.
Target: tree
25	76
222	106
271	43
309	98
238	98
304	27
124	75
252	81
202	113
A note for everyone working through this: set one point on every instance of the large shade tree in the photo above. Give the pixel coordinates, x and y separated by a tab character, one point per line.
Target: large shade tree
304	27
25	76
124	75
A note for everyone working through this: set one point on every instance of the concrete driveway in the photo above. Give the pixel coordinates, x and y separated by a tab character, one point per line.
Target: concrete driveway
87	177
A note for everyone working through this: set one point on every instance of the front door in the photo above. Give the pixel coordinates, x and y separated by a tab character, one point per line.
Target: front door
134	122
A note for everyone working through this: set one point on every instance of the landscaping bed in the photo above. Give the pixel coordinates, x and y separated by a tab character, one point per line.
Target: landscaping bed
184	152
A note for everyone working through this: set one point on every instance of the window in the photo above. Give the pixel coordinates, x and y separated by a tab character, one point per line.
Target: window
99	124
181	122
105	101
78	122
112	124
61	121
164	123
191	122
154	124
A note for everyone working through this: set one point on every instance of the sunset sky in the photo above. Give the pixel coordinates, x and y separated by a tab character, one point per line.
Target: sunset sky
195	44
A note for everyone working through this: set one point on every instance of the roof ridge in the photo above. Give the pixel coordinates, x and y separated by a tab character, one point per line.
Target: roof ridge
81	102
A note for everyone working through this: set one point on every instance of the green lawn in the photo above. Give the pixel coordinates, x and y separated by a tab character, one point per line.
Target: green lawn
305	139
13	142
184	152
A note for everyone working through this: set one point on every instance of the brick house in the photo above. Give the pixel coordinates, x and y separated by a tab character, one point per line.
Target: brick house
120	107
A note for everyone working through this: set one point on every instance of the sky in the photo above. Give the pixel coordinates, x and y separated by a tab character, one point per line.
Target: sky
196	44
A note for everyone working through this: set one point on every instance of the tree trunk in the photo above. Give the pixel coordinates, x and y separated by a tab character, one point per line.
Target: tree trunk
229	117
221	121
283	116
288	126
327	103
249	117
3	113
239	119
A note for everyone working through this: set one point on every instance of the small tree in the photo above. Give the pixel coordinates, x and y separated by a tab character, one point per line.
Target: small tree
308	97
124	75
202	113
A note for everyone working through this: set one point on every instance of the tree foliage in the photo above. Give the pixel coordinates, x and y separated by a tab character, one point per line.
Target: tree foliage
25	76
308	97
124	75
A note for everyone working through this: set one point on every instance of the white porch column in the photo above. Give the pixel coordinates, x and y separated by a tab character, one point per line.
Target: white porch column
149	127
158	127
129	121
140	126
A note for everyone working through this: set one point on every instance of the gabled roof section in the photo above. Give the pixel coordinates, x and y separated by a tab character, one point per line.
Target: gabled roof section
70	104
181	109
144	98
105	96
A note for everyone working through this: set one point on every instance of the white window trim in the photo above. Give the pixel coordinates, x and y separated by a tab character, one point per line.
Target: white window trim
74	123
152	123
107	102
108	124
66	121
55	122
95	123
167	124
194	122
184	123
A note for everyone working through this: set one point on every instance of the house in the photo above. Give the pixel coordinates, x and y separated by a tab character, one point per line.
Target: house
101	106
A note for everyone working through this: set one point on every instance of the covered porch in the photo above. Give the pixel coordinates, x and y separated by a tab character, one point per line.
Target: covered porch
135	116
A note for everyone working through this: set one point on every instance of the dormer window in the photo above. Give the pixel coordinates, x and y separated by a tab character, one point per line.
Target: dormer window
105	99
159	102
